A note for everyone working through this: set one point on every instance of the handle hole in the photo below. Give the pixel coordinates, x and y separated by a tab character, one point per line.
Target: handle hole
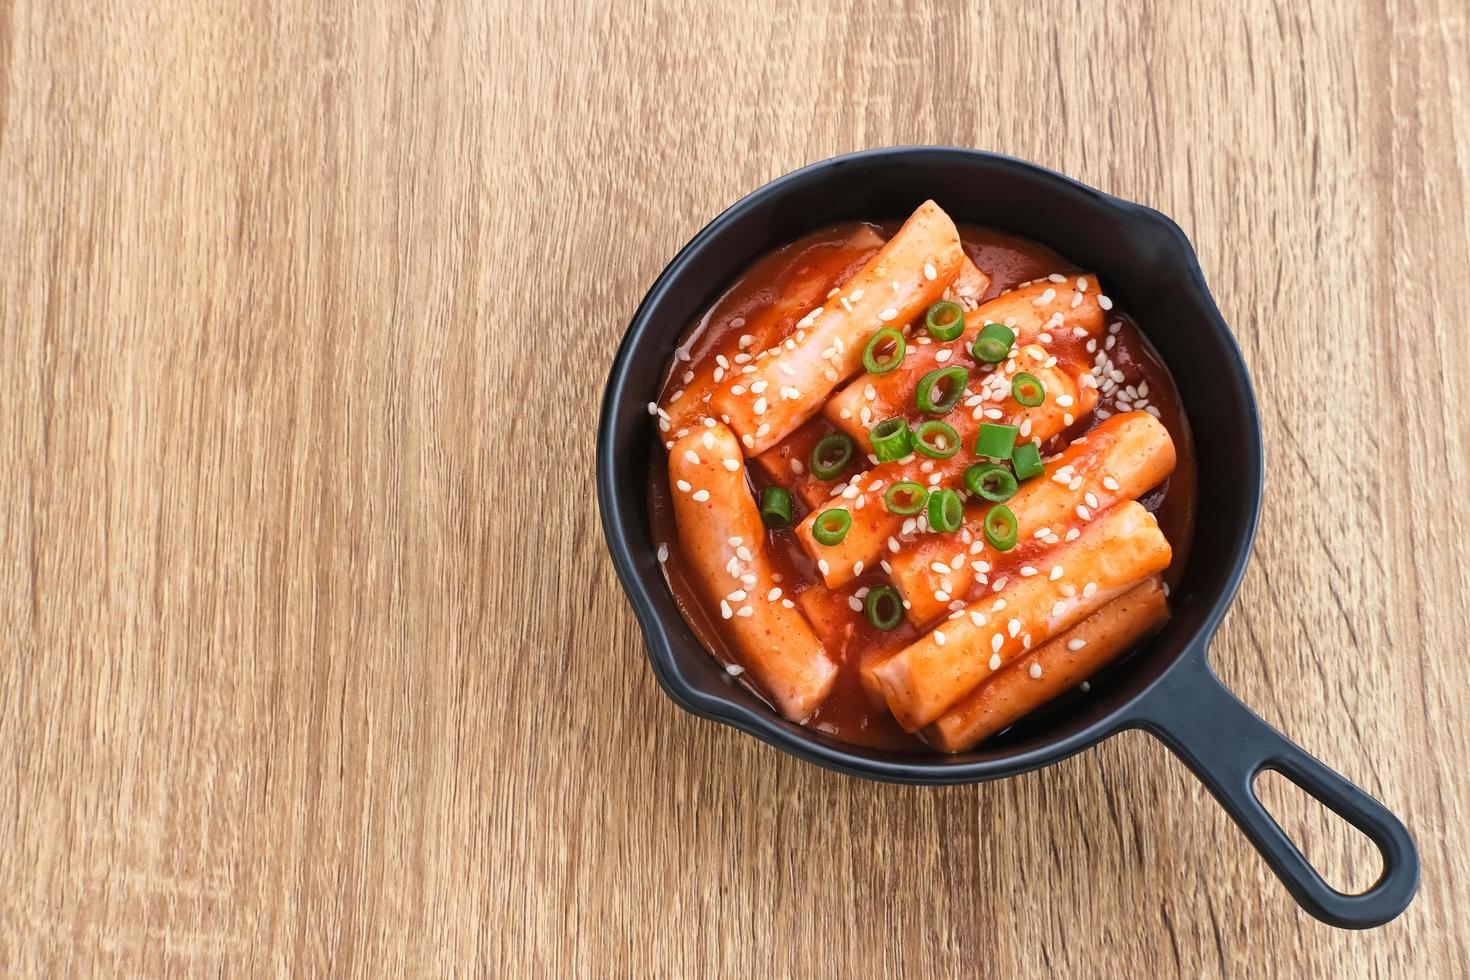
1342	854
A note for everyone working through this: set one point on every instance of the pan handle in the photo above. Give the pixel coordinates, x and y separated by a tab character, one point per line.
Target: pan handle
1228	745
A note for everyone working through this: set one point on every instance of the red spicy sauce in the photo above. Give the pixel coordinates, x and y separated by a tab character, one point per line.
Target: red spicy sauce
830	256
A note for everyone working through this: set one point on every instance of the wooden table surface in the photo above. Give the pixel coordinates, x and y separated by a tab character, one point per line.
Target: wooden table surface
313	664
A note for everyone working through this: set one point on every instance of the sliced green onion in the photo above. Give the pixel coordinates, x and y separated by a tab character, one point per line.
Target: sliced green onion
831	526
1000	528
945	320
775	507
1026	458
993	343
877	362
991	481
1028	389
905	498
936	439
945	511
995	440
950	381
883	607
832	455
891	440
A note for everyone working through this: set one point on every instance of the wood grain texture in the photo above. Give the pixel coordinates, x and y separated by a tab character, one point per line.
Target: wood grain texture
291	684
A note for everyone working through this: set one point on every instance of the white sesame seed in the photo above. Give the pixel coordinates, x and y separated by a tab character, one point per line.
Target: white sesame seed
683	485
940	595
943	355
995	643
663	552
1084	513
745	611
1056	573
822	566
1034	670
995	657
1013	627
857	566
1073	534
888	314
691	456
1089	590
1076	644
939	637
930	272
725	611
737	596
1027	571
1045	297
734	670
1104	302
774	594
1058	607
700	495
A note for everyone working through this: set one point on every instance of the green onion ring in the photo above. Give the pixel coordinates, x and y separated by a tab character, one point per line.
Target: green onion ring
875	363
945	320
831	526
929	435
990	481
775	507
831	455
1000	528
945	511
905	498
891	439
1027	389
993	343
1026	459
875	601
954	377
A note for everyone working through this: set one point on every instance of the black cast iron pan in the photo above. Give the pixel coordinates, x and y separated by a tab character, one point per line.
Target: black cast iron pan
1167	686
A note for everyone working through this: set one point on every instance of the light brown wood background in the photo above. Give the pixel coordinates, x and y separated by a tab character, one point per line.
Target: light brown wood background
312	663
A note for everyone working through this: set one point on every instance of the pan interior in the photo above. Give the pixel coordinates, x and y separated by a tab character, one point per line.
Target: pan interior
1149	269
